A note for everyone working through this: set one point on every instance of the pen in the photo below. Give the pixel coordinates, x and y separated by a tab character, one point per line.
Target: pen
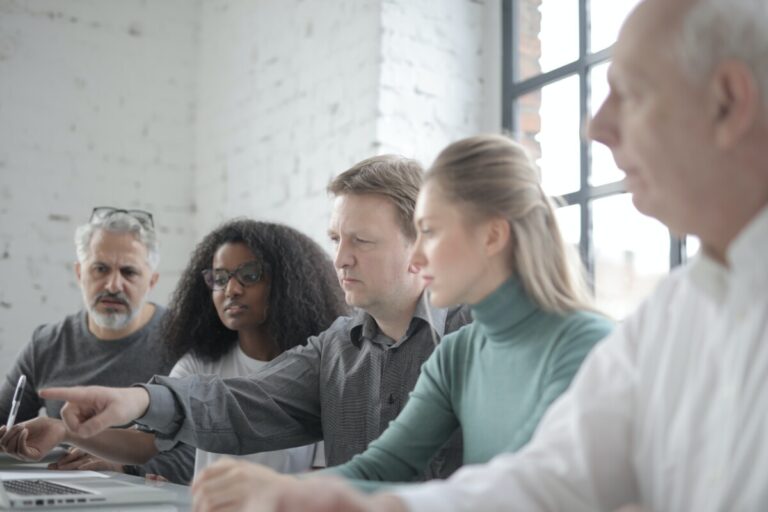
16	401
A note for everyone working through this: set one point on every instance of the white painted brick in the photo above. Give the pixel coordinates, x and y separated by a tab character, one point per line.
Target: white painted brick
94	109
204	110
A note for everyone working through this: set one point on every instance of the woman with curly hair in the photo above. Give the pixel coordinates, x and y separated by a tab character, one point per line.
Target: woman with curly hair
251	291
288	279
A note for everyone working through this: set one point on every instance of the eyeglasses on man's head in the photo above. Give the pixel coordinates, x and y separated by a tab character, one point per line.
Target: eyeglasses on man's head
103	212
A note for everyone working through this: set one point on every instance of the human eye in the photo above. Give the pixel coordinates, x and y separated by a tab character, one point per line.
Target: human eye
362	240
129	272
424	227
622	92
99	269
250	274
334	239
219	278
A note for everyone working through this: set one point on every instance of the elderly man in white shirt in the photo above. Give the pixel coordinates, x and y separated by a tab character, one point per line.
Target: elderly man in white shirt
671	411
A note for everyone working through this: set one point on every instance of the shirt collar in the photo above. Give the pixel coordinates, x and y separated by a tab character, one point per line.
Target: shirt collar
746	258
364	326
747	252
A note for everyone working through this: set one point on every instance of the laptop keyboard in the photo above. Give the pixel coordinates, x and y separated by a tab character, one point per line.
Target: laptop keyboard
39	488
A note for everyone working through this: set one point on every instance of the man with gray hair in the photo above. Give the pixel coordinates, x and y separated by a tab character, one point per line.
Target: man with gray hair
113	341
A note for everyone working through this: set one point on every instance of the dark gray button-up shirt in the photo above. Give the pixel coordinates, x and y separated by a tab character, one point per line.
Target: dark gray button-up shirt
344	386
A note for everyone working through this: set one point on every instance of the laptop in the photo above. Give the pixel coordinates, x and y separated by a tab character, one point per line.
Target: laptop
78	492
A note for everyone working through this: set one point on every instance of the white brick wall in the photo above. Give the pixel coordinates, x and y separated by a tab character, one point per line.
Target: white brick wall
431	76
217	107
294	92
288	93
96	108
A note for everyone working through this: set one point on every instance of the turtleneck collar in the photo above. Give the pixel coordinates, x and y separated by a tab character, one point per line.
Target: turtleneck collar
503	309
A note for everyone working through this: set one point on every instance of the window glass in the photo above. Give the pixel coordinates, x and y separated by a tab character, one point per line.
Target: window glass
631	254
548	36
549	128
569	220
692	246
607	17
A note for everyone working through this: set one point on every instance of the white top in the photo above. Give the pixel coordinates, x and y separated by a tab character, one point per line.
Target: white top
236	363
670	411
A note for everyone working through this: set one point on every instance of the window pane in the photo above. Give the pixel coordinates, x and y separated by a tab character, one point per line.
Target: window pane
603	170
607	17
548	35
569	219
549	127
631	254
692	246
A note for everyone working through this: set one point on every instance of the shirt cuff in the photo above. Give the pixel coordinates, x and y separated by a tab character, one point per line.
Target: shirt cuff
161	413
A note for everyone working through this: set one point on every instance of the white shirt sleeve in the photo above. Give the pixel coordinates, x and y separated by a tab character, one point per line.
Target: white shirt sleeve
580	458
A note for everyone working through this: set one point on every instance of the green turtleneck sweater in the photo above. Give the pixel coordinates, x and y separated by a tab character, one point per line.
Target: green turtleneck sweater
494	378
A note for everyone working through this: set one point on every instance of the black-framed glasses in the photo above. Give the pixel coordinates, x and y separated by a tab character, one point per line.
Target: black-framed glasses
247	274
104	212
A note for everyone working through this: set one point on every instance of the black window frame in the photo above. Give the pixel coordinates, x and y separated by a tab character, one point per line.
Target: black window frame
513	89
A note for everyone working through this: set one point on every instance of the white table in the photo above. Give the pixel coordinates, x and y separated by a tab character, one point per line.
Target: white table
181	503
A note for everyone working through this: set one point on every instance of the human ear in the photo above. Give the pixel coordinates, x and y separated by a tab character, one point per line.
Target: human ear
736	102
78	269
153	280
497	235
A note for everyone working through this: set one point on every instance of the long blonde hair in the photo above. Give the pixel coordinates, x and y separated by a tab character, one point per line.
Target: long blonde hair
493	176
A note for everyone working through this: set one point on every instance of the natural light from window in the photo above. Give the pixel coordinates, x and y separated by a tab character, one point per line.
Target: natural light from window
631	251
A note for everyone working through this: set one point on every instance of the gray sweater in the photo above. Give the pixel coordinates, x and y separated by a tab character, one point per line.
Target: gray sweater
68	354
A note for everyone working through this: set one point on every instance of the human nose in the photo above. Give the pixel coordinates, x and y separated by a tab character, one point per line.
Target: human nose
114	282
418	258
233	287
603	127
344	256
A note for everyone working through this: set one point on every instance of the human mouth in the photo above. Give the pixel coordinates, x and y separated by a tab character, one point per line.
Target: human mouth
112	301
347	281
234	308
428	279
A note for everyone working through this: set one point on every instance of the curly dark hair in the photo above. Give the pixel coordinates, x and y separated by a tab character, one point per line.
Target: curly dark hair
304	297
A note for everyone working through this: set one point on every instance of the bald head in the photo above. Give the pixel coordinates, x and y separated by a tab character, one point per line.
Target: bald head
686	117
656	18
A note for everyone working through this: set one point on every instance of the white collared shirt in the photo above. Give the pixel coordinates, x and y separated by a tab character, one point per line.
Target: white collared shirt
670	411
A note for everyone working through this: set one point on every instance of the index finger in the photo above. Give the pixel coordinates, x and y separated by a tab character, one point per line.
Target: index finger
73	394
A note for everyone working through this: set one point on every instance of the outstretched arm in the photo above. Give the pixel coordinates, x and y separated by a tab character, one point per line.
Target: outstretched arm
92	409
274	408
